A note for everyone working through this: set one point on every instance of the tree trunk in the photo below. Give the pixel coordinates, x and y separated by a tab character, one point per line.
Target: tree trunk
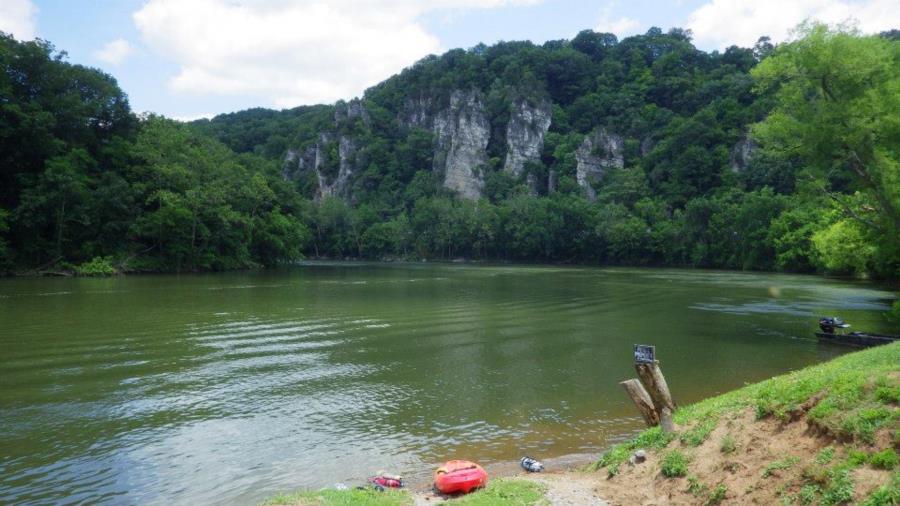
642	400
652	378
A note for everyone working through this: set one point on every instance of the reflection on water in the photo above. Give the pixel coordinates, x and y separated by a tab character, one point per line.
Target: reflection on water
227	388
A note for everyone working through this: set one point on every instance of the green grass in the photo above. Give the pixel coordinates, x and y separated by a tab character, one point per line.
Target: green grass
368	497
778	465
510	492
727	445
825	456
888	495
840	487
850	395
859	396
717	495
650	439
885	459
846	381
673	464
808	494
506	491
695	487
697	434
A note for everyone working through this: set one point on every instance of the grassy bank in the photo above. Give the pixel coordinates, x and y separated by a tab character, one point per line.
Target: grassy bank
827	434
501	491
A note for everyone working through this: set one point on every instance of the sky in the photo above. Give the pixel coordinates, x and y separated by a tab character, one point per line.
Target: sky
188	59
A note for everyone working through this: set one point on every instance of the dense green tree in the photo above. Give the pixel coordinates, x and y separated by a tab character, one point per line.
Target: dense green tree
83	181
838	110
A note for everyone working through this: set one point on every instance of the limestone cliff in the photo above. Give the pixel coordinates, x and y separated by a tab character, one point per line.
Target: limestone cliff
331	159
525	134
741	154
461	131
599	152
461	137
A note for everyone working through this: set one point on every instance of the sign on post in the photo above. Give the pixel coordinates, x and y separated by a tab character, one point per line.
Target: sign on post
644	354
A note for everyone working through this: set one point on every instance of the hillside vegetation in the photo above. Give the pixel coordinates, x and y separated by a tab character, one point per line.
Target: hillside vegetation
641	151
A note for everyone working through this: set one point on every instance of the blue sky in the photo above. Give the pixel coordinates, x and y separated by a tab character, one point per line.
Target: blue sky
191	58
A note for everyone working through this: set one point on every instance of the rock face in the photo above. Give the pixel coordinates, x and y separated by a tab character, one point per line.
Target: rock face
417	113
525	135
461	132
332	157
461	137
599	152
335	185
741	154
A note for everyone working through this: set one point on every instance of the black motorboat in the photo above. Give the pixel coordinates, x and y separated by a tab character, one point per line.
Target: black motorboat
833	332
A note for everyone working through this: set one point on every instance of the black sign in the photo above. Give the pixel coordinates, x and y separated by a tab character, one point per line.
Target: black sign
644	354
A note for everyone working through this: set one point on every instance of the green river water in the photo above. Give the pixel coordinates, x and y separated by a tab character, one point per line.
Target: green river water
227	388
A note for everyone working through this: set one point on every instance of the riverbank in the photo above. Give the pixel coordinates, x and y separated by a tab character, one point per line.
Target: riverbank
826	434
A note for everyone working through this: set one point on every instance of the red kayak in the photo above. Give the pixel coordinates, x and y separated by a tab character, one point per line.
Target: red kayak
459	476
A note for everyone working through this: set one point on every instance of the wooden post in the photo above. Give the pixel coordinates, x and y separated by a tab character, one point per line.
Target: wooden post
650	392
642	400
655	383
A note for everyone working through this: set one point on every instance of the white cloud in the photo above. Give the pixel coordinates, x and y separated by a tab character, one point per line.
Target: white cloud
621	27
17	17
291	52
721	23
193	117
114	51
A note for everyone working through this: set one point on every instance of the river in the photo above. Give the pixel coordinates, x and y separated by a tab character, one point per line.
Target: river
227	388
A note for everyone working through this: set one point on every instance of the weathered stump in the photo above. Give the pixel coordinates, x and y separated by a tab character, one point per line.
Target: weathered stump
642	400
651	396
655	383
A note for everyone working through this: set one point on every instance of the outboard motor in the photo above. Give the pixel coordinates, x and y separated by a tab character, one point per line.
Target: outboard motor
829	323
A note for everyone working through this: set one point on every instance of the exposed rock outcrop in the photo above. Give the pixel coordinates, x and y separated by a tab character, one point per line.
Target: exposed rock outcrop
525	135
334	185
599	152
741	154
332	157
417	113
461	137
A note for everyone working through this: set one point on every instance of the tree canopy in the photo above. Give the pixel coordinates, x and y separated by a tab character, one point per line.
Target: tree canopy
772	157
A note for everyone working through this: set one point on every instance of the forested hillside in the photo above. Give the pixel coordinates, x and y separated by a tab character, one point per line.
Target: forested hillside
644	151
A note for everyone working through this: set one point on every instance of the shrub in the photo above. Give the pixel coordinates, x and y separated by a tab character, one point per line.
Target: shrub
674	464
98	266
857	458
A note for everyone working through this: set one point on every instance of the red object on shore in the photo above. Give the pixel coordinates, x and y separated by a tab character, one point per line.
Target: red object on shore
387	481
459	476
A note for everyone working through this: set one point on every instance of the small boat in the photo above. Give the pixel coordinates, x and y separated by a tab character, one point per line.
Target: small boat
459	476
832	331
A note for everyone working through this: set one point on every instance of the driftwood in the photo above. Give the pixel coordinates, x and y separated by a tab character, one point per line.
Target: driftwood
651	396
642	400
